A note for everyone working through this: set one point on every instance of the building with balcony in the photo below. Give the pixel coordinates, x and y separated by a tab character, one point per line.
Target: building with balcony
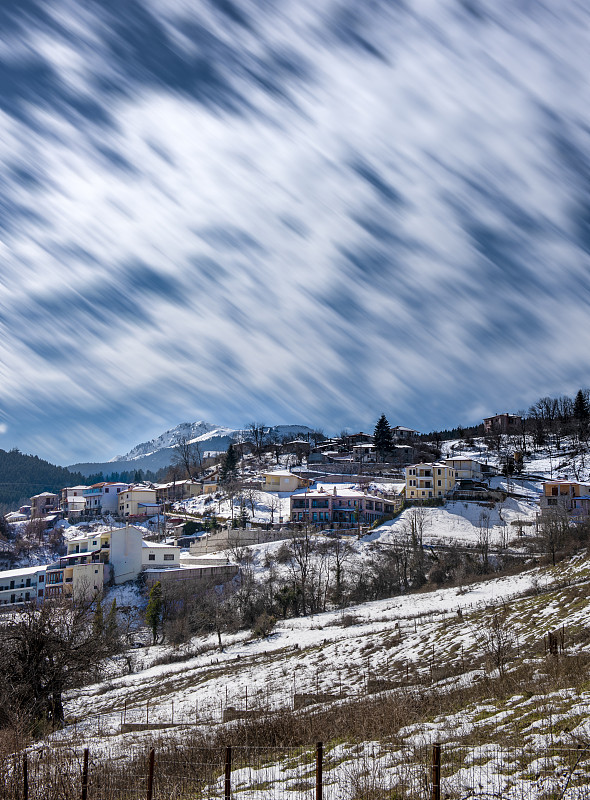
340	506
44	504
102	498
20	586
429	480
565	495
465	468
138	501
281	480
503	423
72	501
177	490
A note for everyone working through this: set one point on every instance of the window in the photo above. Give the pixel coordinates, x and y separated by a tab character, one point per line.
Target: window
168	556
41	578
439	483
106	491
96	572
40	593
152	557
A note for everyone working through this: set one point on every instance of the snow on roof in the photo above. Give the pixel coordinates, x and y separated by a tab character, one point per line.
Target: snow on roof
22	572
283	473
144	543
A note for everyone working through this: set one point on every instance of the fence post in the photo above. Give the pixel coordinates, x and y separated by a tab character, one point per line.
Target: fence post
25	778
319	754
227	789
436	771
150	780
85	775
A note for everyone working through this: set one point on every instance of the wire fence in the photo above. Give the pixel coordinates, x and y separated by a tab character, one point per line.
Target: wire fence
344	771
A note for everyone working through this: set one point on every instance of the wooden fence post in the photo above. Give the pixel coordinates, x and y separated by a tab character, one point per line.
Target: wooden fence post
150	777
436	771
319	765
25	778
227	788
85	775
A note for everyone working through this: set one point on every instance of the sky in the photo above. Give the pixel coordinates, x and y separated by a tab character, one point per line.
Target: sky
292	212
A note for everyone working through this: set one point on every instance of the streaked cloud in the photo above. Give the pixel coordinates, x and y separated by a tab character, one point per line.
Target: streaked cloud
310	212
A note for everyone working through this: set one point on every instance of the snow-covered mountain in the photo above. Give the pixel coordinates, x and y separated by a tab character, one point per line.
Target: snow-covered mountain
190	431
158	452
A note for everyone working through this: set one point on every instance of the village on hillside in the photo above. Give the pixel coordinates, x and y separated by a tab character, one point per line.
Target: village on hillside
261	490
383	592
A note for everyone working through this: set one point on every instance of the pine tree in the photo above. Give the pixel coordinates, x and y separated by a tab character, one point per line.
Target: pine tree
383	438
97	621
229	465
581	407
153	614
111	627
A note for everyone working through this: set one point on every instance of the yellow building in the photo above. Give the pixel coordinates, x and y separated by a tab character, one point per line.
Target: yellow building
138	501
281	480
429	480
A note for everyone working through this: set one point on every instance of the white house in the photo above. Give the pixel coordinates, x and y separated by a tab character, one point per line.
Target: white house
22	585
465	468
102	498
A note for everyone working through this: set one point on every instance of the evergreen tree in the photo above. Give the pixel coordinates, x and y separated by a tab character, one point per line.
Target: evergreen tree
111	627
98	621
229	465
153	614
383	438
581	407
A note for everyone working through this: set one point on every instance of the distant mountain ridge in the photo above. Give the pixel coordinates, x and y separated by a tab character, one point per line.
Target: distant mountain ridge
188	430
158	452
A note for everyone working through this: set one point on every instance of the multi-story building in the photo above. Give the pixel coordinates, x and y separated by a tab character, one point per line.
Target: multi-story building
44	504
502	423
116	555
465	468
73	502
402	434
569	496
102	498
138	501
429	480
340	506
177	490
22	585
281	480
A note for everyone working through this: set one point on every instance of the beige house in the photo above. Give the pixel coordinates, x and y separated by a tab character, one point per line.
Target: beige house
465	468
178	490
281	480
429	480
138	501
566	495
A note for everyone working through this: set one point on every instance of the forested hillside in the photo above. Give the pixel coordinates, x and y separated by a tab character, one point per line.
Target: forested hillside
22	476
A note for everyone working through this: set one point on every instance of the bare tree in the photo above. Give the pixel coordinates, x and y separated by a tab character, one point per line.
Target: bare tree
188	456
44	651
301	548
256	433
483	540
496	638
